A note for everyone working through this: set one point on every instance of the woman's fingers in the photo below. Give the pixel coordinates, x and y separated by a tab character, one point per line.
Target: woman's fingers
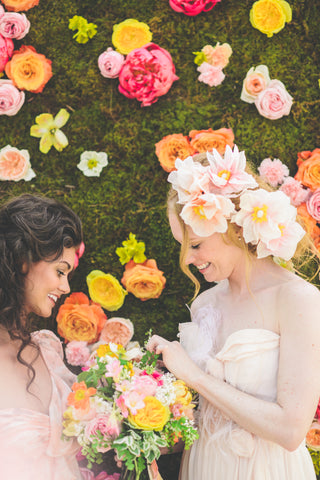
157	344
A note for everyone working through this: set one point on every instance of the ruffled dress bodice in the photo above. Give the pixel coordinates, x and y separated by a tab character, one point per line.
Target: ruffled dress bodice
31	443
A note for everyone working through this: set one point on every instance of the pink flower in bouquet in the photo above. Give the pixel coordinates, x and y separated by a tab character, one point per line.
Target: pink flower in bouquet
86	474
211	75
147	73
133	401
14	25
117	330
295	190
145	385
313	205
156	375
105	476
107	425
192	7
6	51
77	353
114	369
11	99
273	171
110	63
274	101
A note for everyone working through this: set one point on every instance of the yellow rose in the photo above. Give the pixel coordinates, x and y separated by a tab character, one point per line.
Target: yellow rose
153	416
105	290
270	16
183	394
129	35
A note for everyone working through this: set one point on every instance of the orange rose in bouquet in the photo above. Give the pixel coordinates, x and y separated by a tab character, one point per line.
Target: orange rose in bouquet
309	169
143	280
19	5
206	140
28	69
172	147
80	319
309	223
313	436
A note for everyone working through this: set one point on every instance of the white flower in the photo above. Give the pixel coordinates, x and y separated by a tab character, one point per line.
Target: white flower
92	163
189	179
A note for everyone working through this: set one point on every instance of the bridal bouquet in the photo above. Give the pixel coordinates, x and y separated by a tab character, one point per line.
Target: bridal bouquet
121	401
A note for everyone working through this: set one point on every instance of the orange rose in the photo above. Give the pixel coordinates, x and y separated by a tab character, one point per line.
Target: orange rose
309	223
172	147
309	169
313	437
153	416
206	140
79	319
19	5
28	69
143	280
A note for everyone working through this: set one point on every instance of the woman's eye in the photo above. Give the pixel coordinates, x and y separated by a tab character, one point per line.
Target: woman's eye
60	273
194	247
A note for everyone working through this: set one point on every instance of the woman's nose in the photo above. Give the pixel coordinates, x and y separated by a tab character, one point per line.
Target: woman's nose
189	257
64	285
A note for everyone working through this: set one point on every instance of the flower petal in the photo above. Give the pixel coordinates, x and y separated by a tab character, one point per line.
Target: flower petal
45	143
61	118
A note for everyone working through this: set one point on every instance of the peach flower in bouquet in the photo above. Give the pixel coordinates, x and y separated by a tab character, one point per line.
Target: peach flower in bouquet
207	140
143	280
19	5
117	330
171	147
309	168
192	7
313	436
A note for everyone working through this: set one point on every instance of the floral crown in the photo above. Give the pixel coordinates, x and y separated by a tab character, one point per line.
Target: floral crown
267	218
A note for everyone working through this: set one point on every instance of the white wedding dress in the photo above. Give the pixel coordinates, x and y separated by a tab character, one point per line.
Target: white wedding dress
224	451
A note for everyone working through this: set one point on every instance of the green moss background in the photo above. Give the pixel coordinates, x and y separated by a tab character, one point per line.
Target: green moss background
129	196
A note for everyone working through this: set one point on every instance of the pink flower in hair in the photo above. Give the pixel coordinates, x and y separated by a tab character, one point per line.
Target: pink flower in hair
273	171
79	254
228	173
208	214
77	353
189	179
285	245
295	191
211	75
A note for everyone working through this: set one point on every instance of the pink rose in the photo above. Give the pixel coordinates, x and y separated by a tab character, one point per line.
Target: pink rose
313	205
11	99
110	63
15	164
14	25
6	51
87	474
147	73
212	76
192	7
274	101
145	385
77	353
107	425
295	190
273	171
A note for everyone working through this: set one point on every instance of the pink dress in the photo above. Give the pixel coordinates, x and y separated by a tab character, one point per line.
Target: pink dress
31	445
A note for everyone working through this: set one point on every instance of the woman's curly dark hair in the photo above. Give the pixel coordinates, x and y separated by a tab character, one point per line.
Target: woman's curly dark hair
32	228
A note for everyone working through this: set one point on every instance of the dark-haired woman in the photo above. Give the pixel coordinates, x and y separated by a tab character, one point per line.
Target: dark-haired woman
38	242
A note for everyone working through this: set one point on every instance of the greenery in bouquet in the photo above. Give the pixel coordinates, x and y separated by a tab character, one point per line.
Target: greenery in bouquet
123	401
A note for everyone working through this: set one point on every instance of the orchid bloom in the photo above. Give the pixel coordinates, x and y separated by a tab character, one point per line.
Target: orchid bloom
48	129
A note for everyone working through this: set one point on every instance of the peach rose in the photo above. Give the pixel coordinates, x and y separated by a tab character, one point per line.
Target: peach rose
153	416
313	437
219	55
117	330
19	5
15	164
143	280
172	147
309	169
80	319
257	79
206	140
28	69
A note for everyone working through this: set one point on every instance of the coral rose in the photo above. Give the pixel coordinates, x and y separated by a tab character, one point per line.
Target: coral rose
105	290
19	5
15	164
11	99
29	70
147	73
143	280
172	147
207	140
6	51
153	416
79	319
192	7
274	101
309	169
313	437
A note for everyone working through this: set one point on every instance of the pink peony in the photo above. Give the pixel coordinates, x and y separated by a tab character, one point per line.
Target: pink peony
15	164
273	171
147	73
86	474
14	25
110	63
313	205
211	75
146	385
6	51
77	353
295	190
192	7
11	99
274	101
107	425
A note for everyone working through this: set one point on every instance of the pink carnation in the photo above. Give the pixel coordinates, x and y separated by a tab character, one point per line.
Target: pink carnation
273	171
211	75
110	63
77	353
6	51
274	101
295	190
14	25
313	205
147	73
192	7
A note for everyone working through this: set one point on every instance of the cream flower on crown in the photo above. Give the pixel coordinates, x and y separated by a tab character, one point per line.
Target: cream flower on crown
284	246
189	180
228	173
